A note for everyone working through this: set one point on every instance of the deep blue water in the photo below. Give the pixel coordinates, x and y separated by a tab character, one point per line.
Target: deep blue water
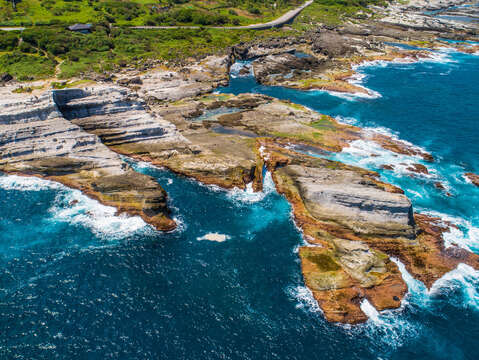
77	282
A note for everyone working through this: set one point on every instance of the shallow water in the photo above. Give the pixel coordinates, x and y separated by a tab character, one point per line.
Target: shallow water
76	281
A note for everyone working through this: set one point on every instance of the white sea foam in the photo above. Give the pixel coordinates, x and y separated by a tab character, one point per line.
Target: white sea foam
346	120
464	235
75	208
143	165
371	94
369	154
23	183
416	289
238	66
370	311
464	279
249	195
214	237
305	299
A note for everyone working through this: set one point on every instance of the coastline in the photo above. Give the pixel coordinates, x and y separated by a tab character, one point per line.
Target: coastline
198	149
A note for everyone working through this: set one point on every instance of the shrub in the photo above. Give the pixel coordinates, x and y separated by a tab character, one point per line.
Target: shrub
8	40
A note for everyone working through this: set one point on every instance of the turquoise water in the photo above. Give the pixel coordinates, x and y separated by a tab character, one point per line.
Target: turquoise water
78	282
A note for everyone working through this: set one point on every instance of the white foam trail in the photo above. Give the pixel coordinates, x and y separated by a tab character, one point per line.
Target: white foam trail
441	56
464	279
417	291
465	235
371	94
238	66
305	299
370	154
75	208
249	195
370	311
23	183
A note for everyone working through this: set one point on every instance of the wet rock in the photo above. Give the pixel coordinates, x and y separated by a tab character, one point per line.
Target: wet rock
473	178
37	139
418	168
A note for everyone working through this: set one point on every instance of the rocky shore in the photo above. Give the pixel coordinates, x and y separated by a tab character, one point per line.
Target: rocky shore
36	139
353	223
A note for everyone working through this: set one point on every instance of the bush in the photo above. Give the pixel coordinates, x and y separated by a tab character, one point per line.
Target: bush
8	40
27	48
254	10
26	67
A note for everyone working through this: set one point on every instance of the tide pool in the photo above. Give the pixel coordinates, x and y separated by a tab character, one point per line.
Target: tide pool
79	282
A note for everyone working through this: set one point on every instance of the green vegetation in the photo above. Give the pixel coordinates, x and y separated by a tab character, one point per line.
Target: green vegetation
42	48
26	89
324	261
334	12
26	67
324	122
68	84
43	51
143	12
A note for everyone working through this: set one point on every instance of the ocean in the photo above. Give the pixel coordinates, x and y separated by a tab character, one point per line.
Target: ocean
79	282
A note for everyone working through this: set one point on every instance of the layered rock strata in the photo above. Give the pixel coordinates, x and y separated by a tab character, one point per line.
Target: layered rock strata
351	220
356	223
37	140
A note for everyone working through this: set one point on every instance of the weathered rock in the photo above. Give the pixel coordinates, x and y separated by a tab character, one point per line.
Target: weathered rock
36	140
332	45
130	81
473	178
177	83
356	237
250	50
282	65
418	168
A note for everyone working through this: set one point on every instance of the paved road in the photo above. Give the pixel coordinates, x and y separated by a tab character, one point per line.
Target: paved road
284	19
12	28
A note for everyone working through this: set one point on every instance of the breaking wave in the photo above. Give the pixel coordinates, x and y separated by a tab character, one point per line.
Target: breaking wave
75	208
24	183
249	195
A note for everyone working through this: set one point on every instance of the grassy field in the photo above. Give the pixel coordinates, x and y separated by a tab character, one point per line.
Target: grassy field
143	12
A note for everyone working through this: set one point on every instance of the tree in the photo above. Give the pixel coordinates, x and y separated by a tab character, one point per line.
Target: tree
14	4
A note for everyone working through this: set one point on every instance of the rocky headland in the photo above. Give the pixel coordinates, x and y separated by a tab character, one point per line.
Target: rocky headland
353	223
36	139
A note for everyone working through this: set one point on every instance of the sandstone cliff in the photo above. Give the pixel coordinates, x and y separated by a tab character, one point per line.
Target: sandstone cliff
37	140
